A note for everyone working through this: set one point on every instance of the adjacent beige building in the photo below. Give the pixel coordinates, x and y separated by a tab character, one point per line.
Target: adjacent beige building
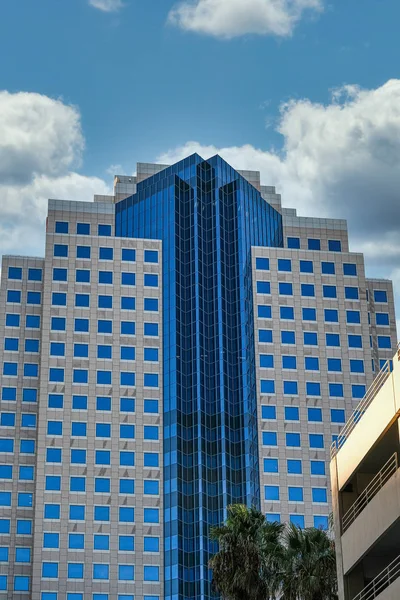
365	479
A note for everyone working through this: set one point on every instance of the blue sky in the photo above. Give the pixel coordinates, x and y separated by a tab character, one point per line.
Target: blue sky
306	91
143	86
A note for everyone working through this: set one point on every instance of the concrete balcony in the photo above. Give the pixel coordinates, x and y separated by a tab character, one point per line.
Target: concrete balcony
385	586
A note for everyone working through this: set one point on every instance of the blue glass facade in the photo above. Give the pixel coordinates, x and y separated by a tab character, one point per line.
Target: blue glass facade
208	218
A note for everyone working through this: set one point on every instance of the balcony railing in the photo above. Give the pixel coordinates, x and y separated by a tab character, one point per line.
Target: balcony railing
358	413
370	491
381	581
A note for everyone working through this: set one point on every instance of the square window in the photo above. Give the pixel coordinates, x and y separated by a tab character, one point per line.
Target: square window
294	467
380	296
290	388
267	361
334	245
102	485
128	353
338	415
384	342
130	279
351	293
293	242
104	326
313	388
271	465
79	402
269	438
128	405
314	244
284	265
262	264
52	511
333	340
15	273
336	390
292	413
80	376
127	459
82	300
60	250
126	486
104	352
32	346
61	227
331	315
306	266
151	304
103	377
310	338
317	467
286	312
106	253
328	268
150	432
356	366
319	495
307	290
267	386
103	403
82	276
151	544
263	287
9	394
104	230
293	440
151	487
127	514
268	412
12	320
151	459
32	322
321	522
265	336
81	350
151	256
329	291
83	228
128	432
101	542
33	298
151	573
50	570
126	572
309	314
101	571
314	415
21	583
334	365
382	319
295	494
60	274
106	277
129	328
128	254
311	363
150	406
273	518
127	379
128	303
288	337
316	440
271	492
14	296
297	520
285	289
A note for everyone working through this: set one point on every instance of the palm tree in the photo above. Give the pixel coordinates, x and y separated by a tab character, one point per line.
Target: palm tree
309	566
247	563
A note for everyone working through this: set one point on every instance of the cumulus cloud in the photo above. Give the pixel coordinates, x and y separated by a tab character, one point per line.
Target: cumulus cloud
107	5
37	135
338	160
40	141
231	18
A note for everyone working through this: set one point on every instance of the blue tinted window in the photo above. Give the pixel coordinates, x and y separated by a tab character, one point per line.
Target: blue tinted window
306	266
331	315
351	293
9	394
319	495
78	457
289	362
78	429
129	328
102	457
285	289
104	230
56	375
128	432
54	428
127	572
104	326
61	227
356	366
103	430
262	264
32	322
151	459
128	379
101	513
128	405
288	337
350	269
79	402
286	313
294	466
127	459
293	242
53	455
269	438
104	351
297	520
307	290
382	319
292	413
101	542
268	412
127	514
329	291
151	304
321	522
328	268
104	377
82	276
34	274
58	323
6	472
284	264
358	391
128	303
151	487
77	484
11	344
384	342
338	415
265	335
310	338
317	467
126	486
15	273
313	388
51	540
106	253
150	354
316	440
60	274
81	325
83	228
271	492
150	432
31	345
14	296
334	364
103	403
105	301
314	244
336	390
151	544
263	287
271	465
128	254
80	375
333	340
290	388
10	369
267	386
12	320
380	296
334	245
57	349
82	300
295	494
314	415
355	341
267	361
26	446
29	395
81	350
150	280
60	250
150	406
53	483
311	363
272	518
105	277
130	279
151	256
102	485
101	571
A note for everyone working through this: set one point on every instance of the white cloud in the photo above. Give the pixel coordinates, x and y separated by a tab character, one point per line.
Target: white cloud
37	135
107	5
231	18
40	140
338	160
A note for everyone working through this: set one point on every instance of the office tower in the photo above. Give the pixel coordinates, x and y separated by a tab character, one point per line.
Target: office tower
184	344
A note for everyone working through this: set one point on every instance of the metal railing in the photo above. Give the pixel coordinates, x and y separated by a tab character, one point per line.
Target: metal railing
381	581
370	491
358	413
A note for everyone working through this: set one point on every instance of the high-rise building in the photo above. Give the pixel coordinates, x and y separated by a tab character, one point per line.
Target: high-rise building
184	344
